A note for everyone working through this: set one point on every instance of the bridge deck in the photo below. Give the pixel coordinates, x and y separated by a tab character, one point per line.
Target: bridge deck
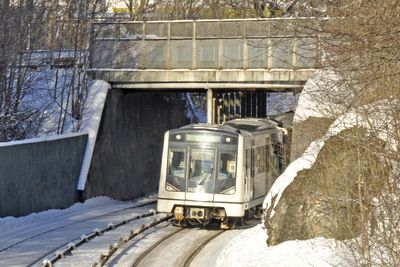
224	54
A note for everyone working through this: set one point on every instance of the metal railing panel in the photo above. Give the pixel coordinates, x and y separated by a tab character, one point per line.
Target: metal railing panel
181	54
206	44
207	54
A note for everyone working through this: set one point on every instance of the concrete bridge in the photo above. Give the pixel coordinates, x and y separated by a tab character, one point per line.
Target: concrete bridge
245	57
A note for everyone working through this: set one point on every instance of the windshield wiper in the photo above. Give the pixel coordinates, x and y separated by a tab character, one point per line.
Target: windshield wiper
206	176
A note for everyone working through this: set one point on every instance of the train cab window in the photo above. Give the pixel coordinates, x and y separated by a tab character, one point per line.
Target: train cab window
176	171
201	171
276	160
226	177
260	160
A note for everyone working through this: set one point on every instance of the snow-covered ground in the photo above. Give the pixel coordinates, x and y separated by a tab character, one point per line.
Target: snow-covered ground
246	249
250	249
26	240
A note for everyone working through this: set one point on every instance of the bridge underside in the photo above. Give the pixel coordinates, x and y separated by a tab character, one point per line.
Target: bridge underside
231	94
199	80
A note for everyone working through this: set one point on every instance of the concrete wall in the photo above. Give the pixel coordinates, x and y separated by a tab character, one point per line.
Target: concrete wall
41	175
127	155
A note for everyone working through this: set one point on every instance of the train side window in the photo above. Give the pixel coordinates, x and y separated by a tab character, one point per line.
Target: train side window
277	163
253	163
226	179
176	170
248	160
267	157
278	155
260	161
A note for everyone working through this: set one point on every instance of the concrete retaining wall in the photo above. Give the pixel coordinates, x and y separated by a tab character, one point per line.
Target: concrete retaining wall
40	175
127	155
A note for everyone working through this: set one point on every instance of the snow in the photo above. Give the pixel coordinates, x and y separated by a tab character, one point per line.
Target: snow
54	229
377	118
242	248
311	97
40	139
250	249
91	123
281	102
90	207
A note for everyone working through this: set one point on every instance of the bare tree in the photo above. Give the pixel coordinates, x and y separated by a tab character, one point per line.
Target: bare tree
60	29
361	46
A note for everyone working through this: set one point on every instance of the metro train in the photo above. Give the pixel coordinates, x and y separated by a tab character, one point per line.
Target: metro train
220	173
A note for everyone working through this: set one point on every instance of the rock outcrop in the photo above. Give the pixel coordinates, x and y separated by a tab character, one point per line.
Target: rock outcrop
333	198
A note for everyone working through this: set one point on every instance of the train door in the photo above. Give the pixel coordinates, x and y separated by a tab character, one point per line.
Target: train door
249	182
200	173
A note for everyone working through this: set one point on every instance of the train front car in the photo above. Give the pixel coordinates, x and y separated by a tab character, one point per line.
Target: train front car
199	175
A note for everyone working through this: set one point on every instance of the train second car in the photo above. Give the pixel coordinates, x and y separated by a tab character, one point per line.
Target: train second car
219	172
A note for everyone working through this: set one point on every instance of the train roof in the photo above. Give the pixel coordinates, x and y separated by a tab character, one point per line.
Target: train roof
250	125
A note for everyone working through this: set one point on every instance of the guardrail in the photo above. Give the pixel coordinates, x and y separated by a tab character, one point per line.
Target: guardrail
58	59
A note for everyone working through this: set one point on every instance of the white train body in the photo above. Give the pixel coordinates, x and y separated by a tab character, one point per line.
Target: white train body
219	172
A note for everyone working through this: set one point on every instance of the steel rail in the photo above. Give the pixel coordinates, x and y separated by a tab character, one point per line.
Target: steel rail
113	248
147	251
193	255
85	239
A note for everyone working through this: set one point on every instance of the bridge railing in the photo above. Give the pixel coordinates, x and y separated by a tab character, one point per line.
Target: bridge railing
205	44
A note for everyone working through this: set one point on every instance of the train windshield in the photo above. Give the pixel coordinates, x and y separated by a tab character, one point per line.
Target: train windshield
201	174
176	170
201	171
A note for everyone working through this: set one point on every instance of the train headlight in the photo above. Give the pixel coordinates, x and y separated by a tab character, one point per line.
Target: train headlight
228	139
178	137
178	210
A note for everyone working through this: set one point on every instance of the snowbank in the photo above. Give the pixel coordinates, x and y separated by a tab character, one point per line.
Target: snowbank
249	249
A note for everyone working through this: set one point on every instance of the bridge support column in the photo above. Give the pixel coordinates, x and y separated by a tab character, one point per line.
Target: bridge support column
210	117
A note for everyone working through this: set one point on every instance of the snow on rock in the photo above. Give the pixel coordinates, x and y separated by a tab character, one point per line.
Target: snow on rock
314	94
377	118
249	249
304	162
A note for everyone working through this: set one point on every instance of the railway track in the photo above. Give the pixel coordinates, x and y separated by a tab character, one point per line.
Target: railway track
193	254
29	237
149	250
183	257
74	244
67	237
